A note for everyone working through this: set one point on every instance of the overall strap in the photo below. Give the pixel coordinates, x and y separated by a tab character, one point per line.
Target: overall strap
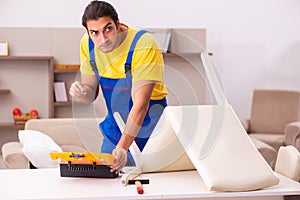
92	58
131	49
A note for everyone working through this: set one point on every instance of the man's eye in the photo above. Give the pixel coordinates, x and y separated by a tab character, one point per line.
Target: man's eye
94	32
108	29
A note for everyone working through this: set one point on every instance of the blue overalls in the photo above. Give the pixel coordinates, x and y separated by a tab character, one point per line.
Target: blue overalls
117	95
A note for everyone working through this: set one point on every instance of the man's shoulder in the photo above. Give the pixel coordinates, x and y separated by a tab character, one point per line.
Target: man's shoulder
85	37
145	40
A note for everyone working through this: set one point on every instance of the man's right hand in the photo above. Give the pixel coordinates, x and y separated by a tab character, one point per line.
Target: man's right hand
77	90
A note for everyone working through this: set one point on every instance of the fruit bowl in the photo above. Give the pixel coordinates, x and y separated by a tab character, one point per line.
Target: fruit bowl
22	119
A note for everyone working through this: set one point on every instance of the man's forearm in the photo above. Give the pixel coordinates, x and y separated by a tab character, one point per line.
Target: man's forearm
133	125
140	96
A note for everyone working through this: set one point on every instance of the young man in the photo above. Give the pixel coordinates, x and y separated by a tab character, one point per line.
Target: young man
128	64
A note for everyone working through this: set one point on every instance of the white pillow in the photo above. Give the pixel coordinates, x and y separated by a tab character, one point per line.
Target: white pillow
37	147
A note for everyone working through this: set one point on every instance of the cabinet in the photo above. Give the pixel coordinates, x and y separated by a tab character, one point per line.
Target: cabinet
68	76
25	82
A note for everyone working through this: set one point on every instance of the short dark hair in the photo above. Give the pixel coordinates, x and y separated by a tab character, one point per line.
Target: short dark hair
97	9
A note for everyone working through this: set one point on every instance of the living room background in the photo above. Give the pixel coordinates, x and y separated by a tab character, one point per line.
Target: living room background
255	44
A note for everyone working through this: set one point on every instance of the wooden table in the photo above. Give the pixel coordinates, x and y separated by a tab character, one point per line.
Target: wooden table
47	184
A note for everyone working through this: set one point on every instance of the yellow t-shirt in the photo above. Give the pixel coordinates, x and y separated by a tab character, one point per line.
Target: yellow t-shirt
147	61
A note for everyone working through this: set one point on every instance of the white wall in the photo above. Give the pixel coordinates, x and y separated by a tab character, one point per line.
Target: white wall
256	43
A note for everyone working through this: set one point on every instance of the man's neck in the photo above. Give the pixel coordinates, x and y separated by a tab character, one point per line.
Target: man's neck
123	30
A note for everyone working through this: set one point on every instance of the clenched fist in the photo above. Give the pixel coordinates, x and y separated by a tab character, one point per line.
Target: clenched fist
77	90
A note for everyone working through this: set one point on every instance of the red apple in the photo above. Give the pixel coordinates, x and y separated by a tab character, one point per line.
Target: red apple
16	112
34	112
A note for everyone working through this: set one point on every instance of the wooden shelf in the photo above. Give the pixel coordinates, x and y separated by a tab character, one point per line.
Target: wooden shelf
22	58
8	125
69	103
4	91
57	71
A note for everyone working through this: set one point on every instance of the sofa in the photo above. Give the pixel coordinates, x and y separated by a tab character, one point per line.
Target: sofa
75	135
275	117
80	135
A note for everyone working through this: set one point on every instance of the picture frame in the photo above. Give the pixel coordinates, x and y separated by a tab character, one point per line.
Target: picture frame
60	91
3	48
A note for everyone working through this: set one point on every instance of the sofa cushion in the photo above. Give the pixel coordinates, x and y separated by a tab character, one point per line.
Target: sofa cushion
13	156
37	146
268	152
274	140
288	162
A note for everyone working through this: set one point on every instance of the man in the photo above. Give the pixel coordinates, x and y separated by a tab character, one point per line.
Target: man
129	66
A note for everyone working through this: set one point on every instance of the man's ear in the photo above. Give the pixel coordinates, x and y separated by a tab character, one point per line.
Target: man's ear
118	24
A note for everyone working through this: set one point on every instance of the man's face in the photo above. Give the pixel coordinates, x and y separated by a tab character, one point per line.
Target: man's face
103	32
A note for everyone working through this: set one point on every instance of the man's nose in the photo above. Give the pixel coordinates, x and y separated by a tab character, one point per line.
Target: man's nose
102	38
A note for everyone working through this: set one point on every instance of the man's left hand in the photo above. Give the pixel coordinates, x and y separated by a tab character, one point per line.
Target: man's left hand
121	159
